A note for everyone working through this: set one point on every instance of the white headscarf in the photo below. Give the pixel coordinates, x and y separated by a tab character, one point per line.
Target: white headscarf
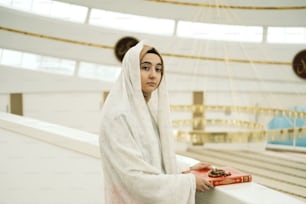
130	147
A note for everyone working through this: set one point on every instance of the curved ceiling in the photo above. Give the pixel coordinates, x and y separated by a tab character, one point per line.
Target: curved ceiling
199	64
244	12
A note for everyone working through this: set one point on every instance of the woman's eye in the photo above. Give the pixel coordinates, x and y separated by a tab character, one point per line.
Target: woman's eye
145	68
158	69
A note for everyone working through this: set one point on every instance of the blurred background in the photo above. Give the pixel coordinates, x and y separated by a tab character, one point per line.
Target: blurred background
235	71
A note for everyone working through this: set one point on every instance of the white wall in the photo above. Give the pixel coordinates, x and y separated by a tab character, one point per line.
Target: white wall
79	110
4	102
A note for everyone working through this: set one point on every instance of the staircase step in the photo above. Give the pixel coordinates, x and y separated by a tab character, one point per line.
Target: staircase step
272	174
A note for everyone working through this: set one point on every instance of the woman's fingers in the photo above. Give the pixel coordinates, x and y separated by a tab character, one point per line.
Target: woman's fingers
201	165
204	188
208	184
202	184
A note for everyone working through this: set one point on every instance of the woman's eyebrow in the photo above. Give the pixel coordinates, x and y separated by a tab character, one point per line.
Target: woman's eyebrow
150	63
146	62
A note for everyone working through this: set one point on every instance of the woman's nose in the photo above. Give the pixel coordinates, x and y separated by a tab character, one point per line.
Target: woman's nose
152	73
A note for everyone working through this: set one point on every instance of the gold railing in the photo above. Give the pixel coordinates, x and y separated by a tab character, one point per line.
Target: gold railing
232	122
255	132
200	137
239	109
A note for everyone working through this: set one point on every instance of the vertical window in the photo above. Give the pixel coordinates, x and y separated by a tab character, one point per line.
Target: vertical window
6	2
42	7
11	57
22	5
31	61
294	35
24	60
132	23
96	71
55	9
219	32
57	65
68	12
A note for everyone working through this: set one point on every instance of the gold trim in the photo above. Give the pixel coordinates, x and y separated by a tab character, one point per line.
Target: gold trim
165	54
219	6
239	109
203	121
225	59
56	38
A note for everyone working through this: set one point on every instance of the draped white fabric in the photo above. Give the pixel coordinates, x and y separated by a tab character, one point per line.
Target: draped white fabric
139	164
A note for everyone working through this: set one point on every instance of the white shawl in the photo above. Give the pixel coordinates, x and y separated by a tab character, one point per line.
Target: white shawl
130	147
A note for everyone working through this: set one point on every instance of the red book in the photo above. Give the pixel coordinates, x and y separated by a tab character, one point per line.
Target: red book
234	176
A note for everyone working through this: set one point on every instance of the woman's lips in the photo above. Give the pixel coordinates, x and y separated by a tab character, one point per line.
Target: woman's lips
151	84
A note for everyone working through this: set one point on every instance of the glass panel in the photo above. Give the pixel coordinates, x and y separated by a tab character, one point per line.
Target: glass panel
95	71
219	32
31	61
60	10
5	2
11	57
275	35
78	13
49	63
22	4
295	35
37	62
56	65
67	66
42	6
254	34
133	23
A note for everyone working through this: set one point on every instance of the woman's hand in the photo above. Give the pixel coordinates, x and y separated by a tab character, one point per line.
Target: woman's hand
200	165
202	184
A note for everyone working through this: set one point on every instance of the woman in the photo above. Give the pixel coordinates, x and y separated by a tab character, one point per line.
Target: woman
138	157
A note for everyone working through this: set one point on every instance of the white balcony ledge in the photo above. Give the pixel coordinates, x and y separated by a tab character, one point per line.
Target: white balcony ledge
48	163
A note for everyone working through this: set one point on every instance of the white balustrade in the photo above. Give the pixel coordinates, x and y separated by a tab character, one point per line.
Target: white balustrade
48	163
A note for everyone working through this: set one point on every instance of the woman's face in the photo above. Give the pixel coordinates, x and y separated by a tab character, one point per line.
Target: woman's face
151	68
